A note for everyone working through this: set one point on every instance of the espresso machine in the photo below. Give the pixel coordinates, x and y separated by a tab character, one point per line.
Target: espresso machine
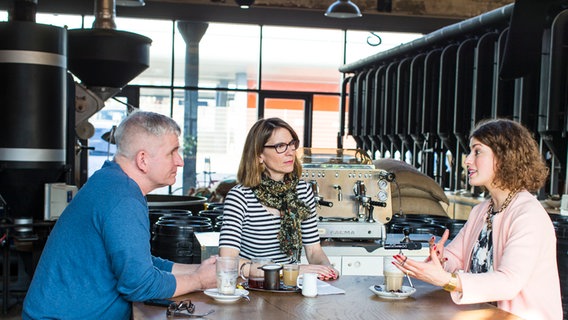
353	199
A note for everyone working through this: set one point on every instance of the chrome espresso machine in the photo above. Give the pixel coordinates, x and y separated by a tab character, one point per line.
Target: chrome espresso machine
353	198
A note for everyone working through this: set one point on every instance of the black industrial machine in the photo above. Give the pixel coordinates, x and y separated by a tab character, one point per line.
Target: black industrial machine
44	113
44	116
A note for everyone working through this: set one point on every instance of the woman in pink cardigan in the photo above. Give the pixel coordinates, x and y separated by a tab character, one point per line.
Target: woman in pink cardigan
506	252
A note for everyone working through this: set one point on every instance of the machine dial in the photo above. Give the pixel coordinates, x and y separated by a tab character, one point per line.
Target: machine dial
382	195
383	184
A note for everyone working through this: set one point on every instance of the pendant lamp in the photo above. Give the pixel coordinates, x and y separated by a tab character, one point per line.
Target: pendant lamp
343	9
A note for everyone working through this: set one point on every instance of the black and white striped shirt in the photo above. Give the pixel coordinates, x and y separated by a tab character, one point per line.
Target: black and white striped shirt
251	229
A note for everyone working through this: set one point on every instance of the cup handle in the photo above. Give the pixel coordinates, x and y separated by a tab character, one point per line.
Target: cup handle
298	284
241	270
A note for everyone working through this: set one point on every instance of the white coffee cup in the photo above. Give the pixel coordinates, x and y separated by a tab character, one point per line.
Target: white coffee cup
393	276
308	284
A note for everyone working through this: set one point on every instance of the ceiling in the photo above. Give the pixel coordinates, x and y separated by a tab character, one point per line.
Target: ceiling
422	16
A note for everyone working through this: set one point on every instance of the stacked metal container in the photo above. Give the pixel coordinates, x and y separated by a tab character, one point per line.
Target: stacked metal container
422	98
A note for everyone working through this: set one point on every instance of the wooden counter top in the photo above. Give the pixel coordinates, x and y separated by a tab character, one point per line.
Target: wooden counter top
428	302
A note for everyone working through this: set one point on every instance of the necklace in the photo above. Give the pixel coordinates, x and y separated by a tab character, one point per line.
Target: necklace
490	212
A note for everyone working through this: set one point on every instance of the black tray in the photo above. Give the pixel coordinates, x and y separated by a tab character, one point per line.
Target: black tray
283	288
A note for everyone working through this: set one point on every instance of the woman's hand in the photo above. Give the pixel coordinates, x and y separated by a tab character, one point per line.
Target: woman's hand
319	263
430	271
438	248
323	272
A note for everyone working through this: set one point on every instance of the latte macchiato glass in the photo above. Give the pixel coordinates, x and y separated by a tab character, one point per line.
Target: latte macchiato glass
290	274
393	276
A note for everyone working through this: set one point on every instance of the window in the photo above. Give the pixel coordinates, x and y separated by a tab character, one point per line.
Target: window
219	84
301	59
228	55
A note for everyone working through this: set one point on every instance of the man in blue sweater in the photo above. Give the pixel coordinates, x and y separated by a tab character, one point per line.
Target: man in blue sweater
97	259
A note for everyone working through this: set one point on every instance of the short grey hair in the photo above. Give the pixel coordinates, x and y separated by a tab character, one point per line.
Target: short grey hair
139	124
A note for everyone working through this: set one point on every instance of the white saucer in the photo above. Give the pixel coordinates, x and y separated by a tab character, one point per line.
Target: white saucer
226	298
406	292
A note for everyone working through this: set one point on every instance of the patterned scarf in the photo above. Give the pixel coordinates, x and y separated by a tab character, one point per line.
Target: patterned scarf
282	195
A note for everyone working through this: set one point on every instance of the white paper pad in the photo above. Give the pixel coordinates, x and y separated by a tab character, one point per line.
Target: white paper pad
325	288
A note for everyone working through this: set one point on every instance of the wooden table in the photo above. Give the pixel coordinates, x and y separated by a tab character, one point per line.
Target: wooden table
428	302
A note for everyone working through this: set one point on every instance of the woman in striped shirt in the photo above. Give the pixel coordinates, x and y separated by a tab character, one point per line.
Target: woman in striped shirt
271	213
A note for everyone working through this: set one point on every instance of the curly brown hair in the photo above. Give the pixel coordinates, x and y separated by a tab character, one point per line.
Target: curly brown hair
519	163
250	169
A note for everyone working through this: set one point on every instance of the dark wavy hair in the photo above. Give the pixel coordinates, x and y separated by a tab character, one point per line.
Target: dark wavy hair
250	169
519	163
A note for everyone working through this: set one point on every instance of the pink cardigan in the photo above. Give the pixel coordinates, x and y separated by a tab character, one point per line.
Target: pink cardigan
525	279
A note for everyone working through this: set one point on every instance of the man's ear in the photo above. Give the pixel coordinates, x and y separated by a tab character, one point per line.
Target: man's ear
142	161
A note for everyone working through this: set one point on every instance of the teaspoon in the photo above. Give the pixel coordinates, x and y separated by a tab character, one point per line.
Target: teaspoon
409	281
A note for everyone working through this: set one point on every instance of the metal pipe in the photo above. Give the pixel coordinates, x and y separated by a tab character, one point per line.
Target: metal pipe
402	104
342	108
367	111
388	117
377	105
105	12
415	106
499	16
355	114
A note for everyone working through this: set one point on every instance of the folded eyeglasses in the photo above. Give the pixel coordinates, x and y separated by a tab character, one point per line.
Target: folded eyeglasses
181	306
176	309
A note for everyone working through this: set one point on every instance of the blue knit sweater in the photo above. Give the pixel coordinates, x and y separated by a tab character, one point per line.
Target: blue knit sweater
97	258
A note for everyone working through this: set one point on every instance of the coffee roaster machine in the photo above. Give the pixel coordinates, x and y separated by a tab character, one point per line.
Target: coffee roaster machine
353	198
53	80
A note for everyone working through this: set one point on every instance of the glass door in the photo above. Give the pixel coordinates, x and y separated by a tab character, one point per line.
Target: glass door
294	108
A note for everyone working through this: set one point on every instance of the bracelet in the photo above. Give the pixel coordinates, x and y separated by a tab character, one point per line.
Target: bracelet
452	284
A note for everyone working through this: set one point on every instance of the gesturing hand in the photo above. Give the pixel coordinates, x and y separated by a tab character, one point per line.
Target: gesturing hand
438	248
431	271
